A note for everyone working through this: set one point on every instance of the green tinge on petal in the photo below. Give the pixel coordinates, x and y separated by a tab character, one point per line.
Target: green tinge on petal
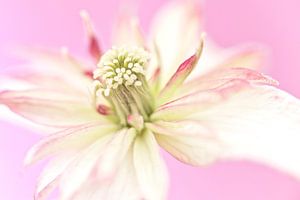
180	75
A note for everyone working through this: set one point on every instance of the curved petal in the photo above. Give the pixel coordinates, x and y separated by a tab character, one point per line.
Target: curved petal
180	75
50	177
32	76
115	153
94	47
256	122
251	56
189	141
201	93
70	139
50	61
110	150
150	168
6	115
175	29
122	185
260	124
199	101
18	79
219	77
50	107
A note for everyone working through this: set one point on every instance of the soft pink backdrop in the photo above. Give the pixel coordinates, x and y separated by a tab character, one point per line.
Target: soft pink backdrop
56	22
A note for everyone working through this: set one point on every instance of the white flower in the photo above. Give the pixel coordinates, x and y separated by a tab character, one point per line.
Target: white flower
113	119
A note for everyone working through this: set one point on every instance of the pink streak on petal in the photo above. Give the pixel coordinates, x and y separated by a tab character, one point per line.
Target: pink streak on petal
94	47
72	138
50	108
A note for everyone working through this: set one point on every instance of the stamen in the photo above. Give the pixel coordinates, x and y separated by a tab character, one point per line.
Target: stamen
121	79
121	66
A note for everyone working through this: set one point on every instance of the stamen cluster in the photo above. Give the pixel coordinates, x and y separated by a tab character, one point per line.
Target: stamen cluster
121	66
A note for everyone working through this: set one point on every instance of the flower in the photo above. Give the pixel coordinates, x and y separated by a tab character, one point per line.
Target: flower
112	120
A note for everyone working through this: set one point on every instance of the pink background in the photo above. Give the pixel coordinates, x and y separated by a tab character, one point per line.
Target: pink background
56	22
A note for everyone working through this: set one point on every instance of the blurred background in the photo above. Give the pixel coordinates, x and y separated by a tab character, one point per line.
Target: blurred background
56	23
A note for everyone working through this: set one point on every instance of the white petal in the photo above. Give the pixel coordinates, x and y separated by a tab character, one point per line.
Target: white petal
127	31
176	31
50	177
189	141
51	62
251	56
50	108
107	151
150	168
218	77
70	139
121	186
261	124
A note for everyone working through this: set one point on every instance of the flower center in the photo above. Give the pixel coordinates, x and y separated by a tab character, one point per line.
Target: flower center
121	80
121	66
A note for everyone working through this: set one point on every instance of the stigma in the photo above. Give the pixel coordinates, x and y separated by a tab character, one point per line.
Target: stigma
123	66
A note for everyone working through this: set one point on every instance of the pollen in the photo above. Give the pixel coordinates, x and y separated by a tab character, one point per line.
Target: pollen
121	66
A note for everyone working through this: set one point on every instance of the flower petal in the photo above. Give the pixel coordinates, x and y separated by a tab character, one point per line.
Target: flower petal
94	48
150	168
180	75
260	124
66	140
127	31
198	101
219	77
256	122
189	141
122	186
10	117
49	179
110	150
251	56
24	78
50	108
51	62
175	29
212	88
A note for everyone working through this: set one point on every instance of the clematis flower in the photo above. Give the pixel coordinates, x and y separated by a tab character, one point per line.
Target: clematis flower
111	121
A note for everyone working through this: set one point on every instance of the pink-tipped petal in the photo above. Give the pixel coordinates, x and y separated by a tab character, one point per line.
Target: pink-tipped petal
50	108
94	47
66	140
175	29
180	75
150	168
